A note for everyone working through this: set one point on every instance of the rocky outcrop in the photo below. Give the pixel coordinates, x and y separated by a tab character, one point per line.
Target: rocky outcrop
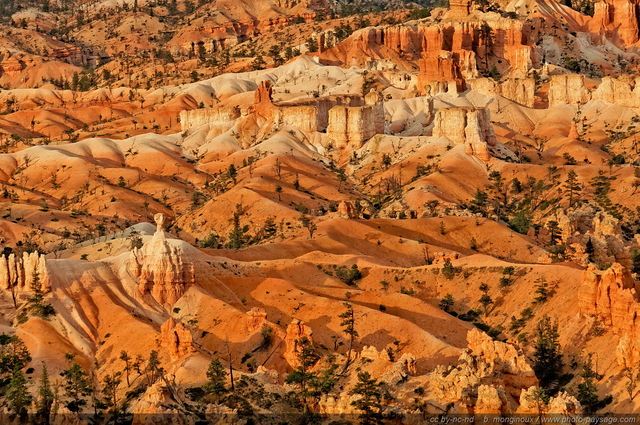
605	224
440	69
621	91
489	378
469	47
519	90
353	125
507	359
156	405
573	131
561	404
160	268
451	49
177	339
306	118
612	296
466	126
400	370
17	272
568	89
213	116
490	400
262	99
401	39
459	9
296	331
258	319
397	371
346	210
617	19
12	67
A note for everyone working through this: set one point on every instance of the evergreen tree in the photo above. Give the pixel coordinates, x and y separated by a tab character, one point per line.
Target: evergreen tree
153	371
45	397
18	394
308	224
237	237
217	376
589	249
554	231
548	361
542	290
479	202
588	390
127	365
348	327
635	261
110	385
572	187
77	387
486	301
36	304
303	375
13	354
232	173
370	402
446	303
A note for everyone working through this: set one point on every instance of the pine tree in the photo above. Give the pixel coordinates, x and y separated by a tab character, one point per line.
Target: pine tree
303	375
348	327
77	387
635	261
152	368
237	236
127	365
370	402
232	173
589	248
554	230
217	376
308	224
13	354
571	186
45	396
548	361
36	304
588	390
542	290
486	301
110	385
446	303
18	394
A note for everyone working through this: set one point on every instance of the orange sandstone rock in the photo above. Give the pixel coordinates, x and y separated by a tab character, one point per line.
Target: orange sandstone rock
176	338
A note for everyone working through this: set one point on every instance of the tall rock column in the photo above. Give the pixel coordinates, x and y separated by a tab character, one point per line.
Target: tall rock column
160	268
17	272
612	295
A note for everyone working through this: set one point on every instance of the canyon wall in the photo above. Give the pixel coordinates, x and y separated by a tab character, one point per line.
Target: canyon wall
520	90
456	50
568	89
612	296
466	126
17	271
618	19
213	116
621	91
352	125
